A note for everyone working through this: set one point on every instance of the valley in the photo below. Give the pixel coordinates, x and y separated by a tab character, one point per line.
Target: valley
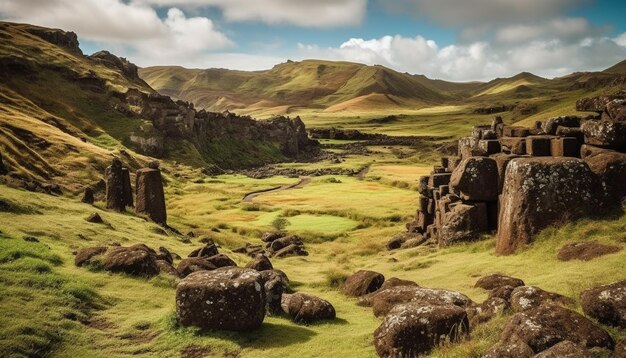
232	171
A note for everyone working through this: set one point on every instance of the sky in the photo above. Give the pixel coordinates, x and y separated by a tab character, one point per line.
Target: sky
455	40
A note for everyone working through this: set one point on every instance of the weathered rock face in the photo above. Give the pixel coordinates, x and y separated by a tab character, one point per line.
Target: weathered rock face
464	222
606	134
65	39
476	179
539	192
597	104
229	298
412	329
110	60
150	196
304	308
362	282
115	186
606	303
384	300
138	260
611	167
275	284
494	281
543	327
527	297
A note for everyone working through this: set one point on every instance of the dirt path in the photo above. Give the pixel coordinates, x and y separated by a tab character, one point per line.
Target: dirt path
361	175
303	181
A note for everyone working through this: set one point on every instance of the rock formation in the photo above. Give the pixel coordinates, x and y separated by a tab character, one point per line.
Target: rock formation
150	195
117	184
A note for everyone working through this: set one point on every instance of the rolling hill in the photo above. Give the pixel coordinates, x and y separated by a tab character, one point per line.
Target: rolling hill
335	87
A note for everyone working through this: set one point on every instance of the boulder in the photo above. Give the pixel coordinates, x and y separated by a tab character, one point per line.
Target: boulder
524	298
571	132
88	197
545	326
260	263
494	281
515	131
165	255
115	185
502	161
413	329
605	133
275	284
167	268
271	236
476	179
384	300
538	145
503	292
208	250
596	104
611	167
510	350
366	300
468	147
137	260
606	303
551	125
587	150
291	250
585	251
94	218
464	222
396	241
303	308
616	109
221	260
194	264
150	196
228	298
567	349
539	192
362	282
84	255
487	310
513	145
283	242
413	241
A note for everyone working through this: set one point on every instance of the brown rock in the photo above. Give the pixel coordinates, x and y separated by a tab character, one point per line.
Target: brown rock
150	196
524	298
194	264
228	298
304	308
127	189
620	349
543	327
510	350
138	260
611	167
366	300
605	133
84	255
565	147
208	250
283	242
167	267
464	222
606	303
115	198
413	241
585	251
587	150
514	145
566	349
538	145
616	109
275	284
487	310
551	125
271	236
413	329
260	263
502	161
386	299
221	260
596	104
539	192
291	250
396	241
493	281
515	131
503	292
88	197
94	218
476	179
362	282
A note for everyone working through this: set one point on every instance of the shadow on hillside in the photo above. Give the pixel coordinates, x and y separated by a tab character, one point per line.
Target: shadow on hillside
268	336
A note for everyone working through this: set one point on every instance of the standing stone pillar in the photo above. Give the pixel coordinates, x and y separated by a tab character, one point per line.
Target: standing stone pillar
88	197
128	191
149	194
115	186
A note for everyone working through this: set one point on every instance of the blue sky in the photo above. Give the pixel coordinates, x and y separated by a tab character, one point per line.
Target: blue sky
460	40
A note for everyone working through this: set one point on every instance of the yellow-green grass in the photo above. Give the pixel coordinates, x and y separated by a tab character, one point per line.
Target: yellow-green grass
136	315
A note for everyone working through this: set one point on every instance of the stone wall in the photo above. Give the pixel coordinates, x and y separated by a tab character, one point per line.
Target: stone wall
515	181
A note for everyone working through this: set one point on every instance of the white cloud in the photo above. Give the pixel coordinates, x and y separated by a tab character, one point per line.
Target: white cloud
621	39
304	13
560	28
479	60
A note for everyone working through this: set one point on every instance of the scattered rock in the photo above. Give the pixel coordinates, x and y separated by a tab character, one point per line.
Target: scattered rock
84	255
275	285
304	308
526	297
544	326
503	292
88	196
362	282
228	298
366	300
271	236
167	267
291	250
487	310
585	251
607	303
283	242
412	329
208	250
194	264
95	218
510	350
566	349
494	281
138	260
260	263
384	300
165	255
221	260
